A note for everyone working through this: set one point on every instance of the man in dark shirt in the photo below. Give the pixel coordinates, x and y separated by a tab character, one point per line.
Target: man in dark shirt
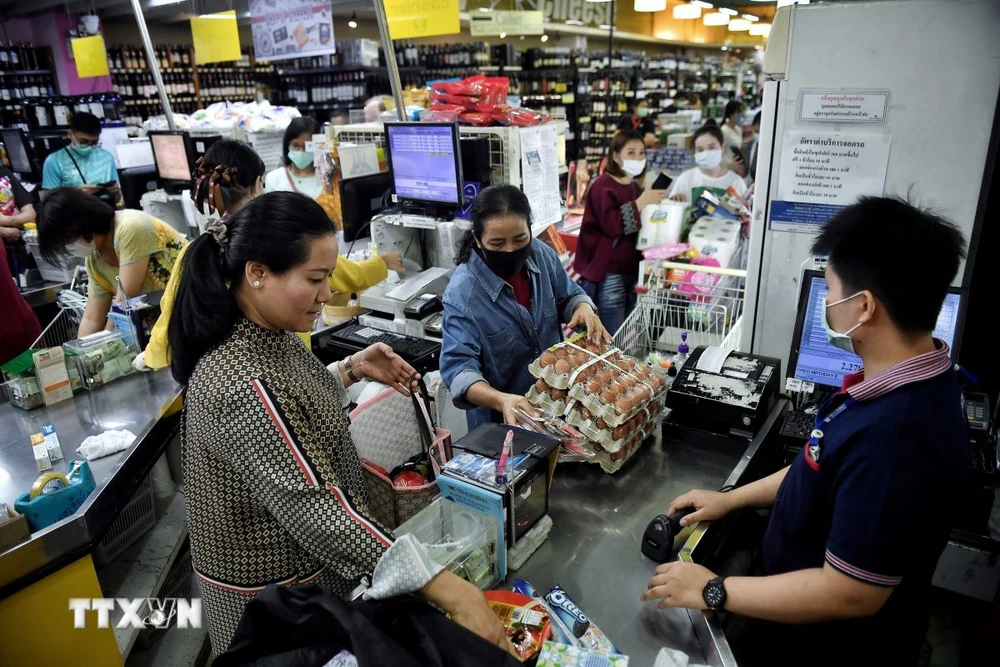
863	513
639	121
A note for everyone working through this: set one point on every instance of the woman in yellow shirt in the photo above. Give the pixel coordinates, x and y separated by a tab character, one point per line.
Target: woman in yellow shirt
228	177
126	245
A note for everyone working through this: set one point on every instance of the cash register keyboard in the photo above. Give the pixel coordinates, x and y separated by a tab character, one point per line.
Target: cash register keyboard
409	348
798	424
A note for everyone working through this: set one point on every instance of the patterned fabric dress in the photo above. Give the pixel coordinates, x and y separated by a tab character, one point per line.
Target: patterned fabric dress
275	491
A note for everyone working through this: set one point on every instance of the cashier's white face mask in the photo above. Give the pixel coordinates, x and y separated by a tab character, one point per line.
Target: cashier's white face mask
633	167
81	248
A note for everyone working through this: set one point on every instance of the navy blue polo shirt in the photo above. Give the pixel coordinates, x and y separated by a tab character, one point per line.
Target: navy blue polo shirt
873	497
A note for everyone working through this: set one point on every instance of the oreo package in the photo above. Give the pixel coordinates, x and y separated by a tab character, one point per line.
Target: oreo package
583	629
560	633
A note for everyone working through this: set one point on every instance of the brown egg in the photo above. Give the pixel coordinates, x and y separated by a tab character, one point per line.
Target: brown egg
562	367
557	394
541	386
627	364
593	387
547	359
561	353
622	405
587	414
608	396
618	433
601	424
617	456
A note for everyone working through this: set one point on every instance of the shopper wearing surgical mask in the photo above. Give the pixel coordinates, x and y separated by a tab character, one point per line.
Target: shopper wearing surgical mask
639	121
606	257
83	164
505	304
129	245
712	172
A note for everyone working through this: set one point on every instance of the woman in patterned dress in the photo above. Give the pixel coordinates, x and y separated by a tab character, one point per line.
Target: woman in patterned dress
275	492
129	245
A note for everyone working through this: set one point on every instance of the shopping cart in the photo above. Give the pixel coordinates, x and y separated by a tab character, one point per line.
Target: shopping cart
705	301
63	327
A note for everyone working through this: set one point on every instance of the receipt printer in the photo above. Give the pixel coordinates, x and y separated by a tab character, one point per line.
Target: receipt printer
729	393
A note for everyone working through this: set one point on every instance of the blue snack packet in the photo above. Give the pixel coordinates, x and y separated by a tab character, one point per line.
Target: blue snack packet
584	630
559	632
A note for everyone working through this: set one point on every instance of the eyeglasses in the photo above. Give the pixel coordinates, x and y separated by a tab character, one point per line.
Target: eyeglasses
86	142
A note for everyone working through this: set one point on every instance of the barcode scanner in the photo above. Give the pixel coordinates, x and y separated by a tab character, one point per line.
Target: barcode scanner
658	540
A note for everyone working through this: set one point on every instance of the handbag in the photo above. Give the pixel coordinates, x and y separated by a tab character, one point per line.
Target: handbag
391	430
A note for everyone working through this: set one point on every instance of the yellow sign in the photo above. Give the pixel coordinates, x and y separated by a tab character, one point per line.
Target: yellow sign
216	38
90	57
422	18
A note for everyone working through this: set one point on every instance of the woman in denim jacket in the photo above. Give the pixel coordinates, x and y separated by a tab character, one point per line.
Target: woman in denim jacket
505	303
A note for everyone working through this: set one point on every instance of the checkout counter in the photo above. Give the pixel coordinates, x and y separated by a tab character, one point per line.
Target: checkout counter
38	576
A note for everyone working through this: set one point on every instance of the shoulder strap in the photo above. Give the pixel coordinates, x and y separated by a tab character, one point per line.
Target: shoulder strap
80	171
423	408
288	175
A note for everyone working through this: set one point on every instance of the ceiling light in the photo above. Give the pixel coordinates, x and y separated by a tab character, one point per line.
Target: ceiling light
751	18
726	10
760	29
785	3
597	0
650	5
485	9
703	5
739	25
545	38
573	22
687	12
604	26
725	48
716	18
503	35
353	23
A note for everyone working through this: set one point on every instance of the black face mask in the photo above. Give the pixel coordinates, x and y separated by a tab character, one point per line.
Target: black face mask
506	264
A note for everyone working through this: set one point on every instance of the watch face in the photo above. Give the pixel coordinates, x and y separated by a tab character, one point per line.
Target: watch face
714	594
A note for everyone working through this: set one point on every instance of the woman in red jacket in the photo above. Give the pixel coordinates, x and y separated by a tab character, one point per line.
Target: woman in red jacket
606	257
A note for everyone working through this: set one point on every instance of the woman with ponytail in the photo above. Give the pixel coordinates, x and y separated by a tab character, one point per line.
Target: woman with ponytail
227	177
274	488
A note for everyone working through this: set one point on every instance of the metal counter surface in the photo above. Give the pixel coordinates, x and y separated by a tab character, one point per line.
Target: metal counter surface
43	293
135	403
598	522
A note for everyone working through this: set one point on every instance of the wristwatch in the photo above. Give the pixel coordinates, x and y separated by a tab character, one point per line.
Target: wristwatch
714	594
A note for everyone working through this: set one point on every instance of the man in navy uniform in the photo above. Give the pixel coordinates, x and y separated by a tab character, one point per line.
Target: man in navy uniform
862	515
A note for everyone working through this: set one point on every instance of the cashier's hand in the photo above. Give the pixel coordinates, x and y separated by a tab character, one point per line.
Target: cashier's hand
584	315
708	505
678	584
90	188
11	234
510	401
378	362
467	607
393	261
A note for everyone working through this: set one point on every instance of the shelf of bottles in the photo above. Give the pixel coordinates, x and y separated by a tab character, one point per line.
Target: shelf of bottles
613	84
551	81
133	80
236	81
26	78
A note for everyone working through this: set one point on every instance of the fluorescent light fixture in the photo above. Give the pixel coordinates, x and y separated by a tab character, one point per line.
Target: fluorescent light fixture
573	22
545	38
751	18
785	3
716	18
163	3
730	12
682	12
760	29
485	9
650	5
739	25
503	35
604	26
703	5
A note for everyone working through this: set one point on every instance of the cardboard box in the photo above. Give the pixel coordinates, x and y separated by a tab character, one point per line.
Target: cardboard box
14	529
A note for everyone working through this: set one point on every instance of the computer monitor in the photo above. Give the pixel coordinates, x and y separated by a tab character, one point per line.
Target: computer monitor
173	157
813	359
200	143
360	199
18	150
426	162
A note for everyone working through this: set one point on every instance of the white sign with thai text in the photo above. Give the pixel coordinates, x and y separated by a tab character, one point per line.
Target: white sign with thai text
843	106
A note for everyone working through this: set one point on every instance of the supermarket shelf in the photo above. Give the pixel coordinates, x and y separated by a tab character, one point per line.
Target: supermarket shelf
24	72
342	69
169	70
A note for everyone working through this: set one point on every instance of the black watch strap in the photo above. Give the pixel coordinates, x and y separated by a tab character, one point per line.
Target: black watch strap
714	594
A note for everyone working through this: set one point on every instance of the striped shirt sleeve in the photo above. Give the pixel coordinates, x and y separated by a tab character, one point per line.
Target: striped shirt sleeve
280	460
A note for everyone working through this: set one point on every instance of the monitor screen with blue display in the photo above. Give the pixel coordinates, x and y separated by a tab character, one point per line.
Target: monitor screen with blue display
425	162
813	359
